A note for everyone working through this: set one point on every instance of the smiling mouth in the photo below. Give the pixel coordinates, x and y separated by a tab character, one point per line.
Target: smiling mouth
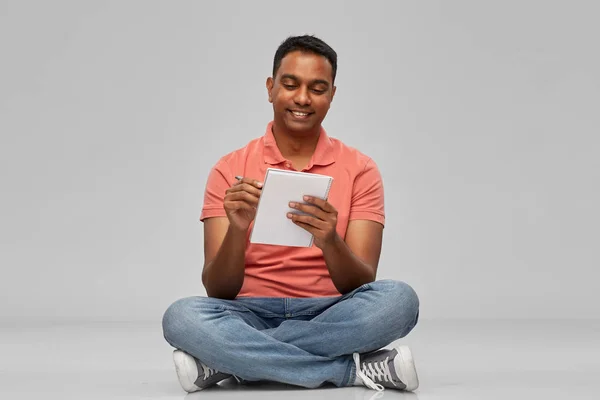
300	114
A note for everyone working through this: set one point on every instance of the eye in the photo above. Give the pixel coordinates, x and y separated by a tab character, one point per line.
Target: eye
289	87
319	91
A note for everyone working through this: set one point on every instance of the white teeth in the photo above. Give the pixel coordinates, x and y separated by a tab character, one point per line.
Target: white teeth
299	114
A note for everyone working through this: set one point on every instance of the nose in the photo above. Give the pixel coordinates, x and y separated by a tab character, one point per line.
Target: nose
302	97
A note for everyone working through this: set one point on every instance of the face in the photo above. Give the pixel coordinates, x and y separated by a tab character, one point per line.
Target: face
301	92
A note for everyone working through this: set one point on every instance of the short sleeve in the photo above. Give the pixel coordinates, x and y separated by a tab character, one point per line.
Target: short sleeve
367	195
214	194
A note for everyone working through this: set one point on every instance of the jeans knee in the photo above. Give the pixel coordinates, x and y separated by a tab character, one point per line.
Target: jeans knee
407	296
404	300
174	321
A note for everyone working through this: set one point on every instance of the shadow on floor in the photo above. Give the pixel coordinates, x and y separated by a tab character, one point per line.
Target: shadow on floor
230	388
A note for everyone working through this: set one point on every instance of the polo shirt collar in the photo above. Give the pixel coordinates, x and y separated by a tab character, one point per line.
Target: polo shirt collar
323	154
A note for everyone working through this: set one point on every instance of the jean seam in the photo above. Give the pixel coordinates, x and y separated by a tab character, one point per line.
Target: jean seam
303	313
360	289
351	371
264	315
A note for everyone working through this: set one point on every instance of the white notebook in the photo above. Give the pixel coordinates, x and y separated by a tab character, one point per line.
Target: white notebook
271	224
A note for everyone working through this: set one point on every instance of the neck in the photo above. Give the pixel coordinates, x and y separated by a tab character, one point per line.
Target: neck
296	145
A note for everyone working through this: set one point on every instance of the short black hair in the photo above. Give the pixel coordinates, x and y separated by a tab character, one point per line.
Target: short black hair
305	43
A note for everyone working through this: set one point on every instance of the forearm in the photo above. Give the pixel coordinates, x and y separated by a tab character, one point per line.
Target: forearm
347	270
224	275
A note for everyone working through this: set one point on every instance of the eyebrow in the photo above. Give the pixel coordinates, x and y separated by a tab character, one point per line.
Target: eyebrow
315	82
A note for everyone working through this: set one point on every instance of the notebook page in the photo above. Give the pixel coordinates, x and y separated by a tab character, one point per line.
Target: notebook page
271	225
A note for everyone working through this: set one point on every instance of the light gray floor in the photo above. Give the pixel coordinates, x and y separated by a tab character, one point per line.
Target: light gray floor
498	359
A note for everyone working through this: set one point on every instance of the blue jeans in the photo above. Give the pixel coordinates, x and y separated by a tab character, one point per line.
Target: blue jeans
298	341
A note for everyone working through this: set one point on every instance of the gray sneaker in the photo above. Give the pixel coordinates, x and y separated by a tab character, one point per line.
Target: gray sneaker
193	375
394	369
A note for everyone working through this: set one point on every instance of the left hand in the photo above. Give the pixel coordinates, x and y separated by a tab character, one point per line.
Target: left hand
321	222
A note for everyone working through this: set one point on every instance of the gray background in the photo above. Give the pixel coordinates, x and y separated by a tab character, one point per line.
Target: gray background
482	116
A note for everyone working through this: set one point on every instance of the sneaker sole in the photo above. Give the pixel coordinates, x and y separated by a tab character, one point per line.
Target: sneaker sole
405	368
187	370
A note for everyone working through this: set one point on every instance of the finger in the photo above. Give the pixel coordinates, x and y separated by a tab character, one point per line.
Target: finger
323	204
242	196
238	205
308	220
248	188
252	182
309	228
244	187
309	209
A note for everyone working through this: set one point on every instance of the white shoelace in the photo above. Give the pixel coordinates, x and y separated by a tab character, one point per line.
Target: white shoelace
208	372
373	370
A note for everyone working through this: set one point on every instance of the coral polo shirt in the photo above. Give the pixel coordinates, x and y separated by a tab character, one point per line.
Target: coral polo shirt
356	193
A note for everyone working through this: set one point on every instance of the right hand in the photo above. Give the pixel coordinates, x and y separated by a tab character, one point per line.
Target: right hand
240	203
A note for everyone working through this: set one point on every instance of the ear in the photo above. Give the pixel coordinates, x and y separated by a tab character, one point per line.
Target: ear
333	92
270	88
